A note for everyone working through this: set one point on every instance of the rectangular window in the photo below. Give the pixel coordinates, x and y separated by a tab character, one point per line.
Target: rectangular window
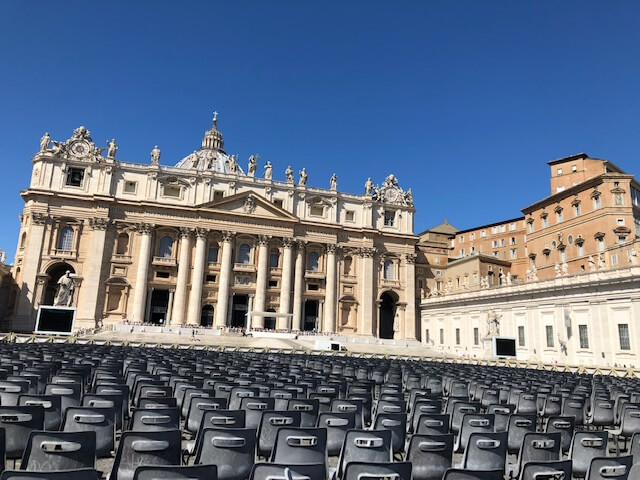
583	333
496	254
212	255
350	216
620	222
389	218
441	336
512	227
502	242
218	195
75	176
614	260
596	203
461	239
457	336
483	233
544	222
576	210
438	272
622	239
171	191
472	250
581	249
210	278
563	255
494	244
462	252
476	336
549	330
574	168
623	333
472	237
514	253
273	283
494	230
163	274
530	227
130	187
559	216
559	172
601	244
503	228
521	336
273	260
278	202
312	287
512	241
316	211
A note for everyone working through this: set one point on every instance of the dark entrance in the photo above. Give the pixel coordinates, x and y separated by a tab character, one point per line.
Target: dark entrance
270	322
310	315
159	306
54	272
239	311
206	319
387	314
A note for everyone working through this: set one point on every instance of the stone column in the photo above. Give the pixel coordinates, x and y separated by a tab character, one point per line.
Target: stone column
366	324
24	320
226	265
329	323
250	309
177	316
140	289
88	305
285	286
167	321
195	297
410	293
320	319
298	288
261	280
147	306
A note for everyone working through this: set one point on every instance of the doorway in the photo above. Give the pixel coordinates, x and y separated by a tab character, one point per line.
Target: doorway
55	272
310	315
239	311
387	315
270	322
159	306
206	318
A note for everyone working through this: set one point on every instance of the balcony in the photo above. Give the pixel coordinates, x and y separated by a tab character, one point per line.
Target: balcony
315	274
164	261
58	253
244	267
119	258
390	283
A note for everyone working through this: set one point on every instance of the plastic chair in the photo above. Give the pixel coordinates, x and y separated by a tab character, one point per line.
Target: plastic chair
365	446
518	427
428	424
197	408
273	471
150	420
254	406
308	409
233	451
380	471
564	426
145	448
486	451
473	423
79	474
93	419
560	470
337	425
397	423
502	414
194	472
271	421
608	468
46	451
537	447
300	445
584	447
430	455
18	422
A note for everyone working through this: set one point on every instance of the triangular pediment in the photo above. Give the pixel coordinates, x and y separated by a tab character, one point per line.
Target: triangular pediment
247	204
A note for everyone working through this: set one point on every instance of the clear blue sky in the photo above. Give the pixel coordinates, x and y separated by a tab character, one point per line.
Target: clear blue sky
465	101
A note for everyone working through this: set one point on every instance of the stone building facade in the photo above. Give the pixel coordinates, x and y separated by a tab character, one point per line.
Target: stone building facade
206	243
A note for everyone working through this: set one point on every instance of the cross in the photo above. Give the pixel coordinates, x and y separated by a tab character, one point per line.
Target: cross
215	116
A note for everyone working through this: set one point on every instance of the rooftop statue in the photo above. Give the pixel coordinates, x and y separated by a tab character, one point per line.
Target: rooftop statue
45	141
602	264
112	148
592	264
303	177
288	173
253	165
155	155
233	165
268	171
368	186
334	182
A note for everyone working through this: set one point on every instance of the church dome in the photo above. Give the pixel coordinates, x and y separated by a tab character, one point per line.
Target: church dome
211	156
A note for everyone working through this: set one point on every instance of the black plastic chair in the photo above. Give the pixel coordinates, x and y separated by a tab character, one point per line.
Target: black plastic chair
308	408
379	471
337	425
233	451
610	468
560	470
565	427
486	451
473	423
584	447
365	446
273	471
518	427
254	406
537	447
157	419
46	451
170	472
300	445
271	421
397	423
197	408
79	474
18	422
52	408
93	419
145	448
430	455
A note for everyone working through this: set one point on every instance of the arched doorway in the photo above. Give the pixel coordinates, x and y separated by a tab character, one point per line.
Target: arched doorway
206	319
55	272
388	301
270	322
239	311
310	315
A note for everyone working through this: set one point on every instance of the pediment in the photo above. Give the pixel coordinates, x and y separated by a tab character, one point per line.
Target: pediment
247	204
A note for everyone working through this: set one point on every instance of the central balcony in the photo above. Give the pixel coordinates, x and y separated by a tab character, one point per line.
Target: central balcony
164	261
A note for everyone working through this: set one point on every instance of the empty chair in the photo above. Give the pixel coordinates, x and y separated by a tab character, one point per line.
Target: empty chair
147	420
47	451
608	468
560	470
342	405
432	424
397	423
424	406
70	393
94	419
365	446
158	402
223	419
18	423
186	472
10	391
254	406
629	424
564	426
572	407
233	451
52	408
197	408
460	474
271	421
275	471
77	474
145	448
502	414
362	470
519	426
601	414
472	423
300	445
537	447
458	410
584	447
337	425
151	391
552	406
486	451
430	455
308	408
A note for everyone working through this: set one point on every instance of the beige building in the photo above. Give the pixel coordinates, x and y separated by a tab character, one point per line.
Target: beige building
206	243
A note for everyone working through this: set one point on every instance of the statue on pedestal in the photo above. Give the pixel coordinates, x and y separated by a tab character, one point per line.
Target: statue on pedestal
66	287
602	264
155	155
534	274
268	171
557	269
112	148
44	142
288	173
233	165
303	177
592	264
253	165
334	182
368	186
493	323
509	279
565	268
3	256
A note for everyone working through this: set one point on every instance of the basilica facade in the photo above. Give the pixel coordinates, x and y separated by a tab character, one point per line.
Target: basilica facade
208	242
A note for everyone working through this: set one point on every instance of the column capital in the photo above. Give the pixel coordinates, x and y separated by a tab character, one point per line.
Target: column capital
202	232
144	228
331	248
300	243
263	240
287	242
38	218
367	252
411	257
185	232
227	235
99	223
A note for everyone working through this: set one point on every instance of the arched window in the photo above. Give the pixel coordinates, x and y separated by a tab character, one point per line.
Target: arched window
65	241
122	244
274	259
166	246
23	240
243	253
312	262
348	261
388	270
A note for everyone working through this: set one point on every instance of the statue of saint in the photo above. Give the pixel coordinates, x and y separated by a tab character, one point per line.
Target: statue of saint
565	268
303	177
408	197
396	323
112	148
253	165
44	142
602	264
534	274
509	279
592	264
288	173
268	171
368	186
493	323
557	269
3	256
233	165
64	295
155	155
334	182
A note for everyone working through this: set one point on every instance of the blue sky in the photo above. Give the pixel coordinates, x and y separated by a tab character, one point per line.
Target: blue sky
464	101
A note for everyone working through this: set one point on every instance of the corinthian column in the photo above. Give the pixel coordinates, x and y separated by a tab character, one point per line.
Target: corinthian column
261	280
177	315
88	305
195	297
329	324
410	292
225	275
298	287
367	282
140	289
285	286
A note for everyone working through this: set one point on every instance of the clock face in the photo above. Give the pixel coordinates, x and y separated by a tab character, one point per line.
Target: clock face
80	149
391	195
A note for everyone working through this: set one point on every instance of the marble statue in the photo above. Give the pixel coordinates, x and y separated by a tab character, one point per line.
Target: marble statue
288	173
408	197
334	182
633	257
303	177
509	279
3	256
592	264
112	148
484	282
233	165
602	264
155	155
503	279
557	269
493	323
268	171
368	186
528	274
66	287
565	268
534	274
45	141
196	160
253	165
57	147
563	345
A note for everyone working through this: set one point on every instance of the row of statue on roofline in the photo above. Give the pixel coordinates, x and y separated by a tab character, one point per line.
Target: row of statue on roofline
389	190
